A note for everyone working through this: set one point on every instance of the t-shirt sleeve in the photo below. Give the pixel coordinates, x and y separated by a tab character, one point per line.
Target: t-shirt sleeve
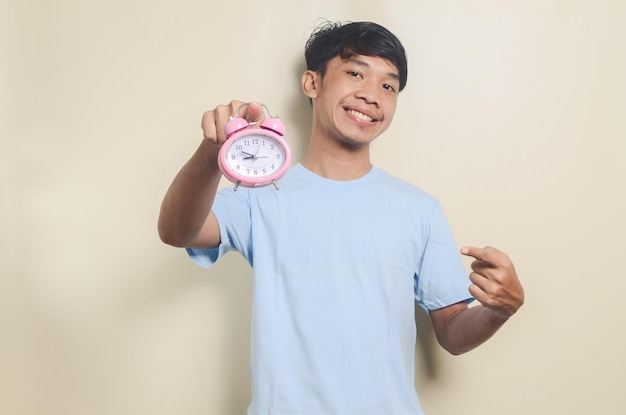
206	257
441	279
233	217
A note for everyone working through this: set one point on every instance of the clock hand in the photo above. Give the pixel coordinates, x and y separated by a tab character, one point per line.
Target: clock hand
252	156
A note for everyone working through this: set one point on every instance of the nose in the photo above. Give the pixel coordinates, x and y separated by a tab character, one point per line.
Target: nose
369	93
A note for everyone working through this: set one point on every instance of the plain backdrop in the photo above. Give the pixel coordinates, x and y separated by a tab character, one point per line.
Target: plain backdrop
513	117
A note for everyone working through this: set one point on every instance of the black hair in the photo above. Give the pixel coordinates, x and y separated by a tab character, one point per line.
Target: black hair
332	39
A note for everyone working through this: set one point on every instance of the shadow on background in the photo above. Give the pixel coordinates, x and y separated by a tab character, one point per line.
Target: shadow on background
233	279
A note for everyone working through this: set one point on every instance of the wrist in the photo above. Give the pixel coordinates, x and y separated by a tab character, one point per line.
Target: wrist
496	318
206	157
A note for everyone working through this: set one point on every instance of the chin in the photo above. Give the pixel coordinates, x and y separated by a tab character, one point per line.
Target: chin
356	143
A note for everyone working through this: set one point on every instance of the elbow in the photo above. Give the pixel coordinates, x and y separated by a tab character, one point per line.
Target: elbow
457	352
169	237
454	350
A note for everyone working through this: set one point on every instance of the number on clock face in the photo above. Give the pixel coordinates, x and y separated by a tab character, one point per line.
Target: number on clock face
255	156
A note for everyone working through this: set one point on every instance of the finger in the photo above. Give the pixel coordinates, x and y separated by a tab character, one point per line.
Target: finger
485	290
481	288
209	129
503	299
473	251
489	255
214	121
481	281
253	112
478	293
487	300
223	114
481	266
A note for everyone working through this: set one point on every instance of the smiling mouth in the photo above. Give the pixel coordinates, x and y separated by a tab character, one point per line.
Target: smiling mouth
360	115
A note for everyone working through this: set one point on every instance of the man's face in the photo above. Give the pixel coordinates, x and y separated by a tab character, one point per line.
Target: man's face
354	102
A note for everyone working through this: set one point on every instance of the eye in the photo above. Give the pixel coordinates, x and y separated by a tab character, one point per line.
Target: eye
389	87
354	74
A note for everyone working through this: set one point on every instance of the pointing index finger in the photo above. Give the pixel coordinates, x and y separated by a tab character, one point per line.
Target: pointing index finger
488	255
481	254
470	251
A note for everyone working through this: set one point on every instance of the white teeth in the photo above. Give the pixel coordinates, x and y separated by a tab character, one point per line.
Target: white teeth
360	115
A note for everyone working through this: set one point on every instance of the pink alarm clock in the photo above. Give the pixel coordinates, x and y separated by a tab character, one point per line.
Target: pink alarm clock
254	157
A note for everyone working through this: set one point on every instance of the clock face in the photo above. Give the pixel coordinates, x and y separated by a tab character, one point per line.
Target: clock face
255	157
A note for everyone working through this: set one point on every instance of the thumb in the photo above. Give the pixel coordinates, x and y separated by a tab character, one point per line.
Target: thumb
254	112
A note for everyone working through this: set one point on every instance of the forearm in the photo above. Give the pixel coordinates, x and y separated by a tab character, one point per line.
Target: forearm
469	328
189	199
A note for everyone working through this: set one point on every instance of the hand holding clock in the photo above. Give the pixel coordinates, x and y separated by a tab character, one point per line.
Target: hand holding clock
186	219
214	121
246	156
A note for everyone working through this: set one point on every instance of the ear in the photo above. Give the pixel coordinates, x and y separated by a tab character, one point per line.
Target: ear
310	83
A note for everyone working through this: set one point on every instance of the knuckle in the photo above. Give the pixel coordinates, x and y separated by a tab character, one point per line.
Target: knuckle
497	292
214	121
233	106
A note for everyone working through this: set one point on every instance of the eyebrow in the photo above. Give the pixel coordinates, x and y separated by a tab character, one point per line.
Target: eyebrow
393	75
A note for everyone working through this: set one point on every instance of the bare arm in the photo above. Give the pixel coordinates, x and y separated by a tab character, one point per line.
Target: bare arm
185	219
495	285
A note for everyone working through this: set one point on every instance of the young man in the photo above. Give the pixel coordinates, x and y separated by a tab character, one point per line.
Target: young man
343	251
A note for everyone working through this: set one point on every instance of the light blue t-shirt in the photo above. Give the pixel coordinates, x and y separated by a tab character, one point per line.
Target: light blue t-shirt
338	267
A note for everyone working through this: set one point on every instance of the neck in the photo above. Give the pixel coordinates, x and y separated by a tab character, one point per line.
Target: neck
337	162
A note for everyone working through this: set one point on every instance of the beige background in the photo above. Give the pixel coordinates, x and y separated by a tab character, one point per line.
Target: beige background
514	117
